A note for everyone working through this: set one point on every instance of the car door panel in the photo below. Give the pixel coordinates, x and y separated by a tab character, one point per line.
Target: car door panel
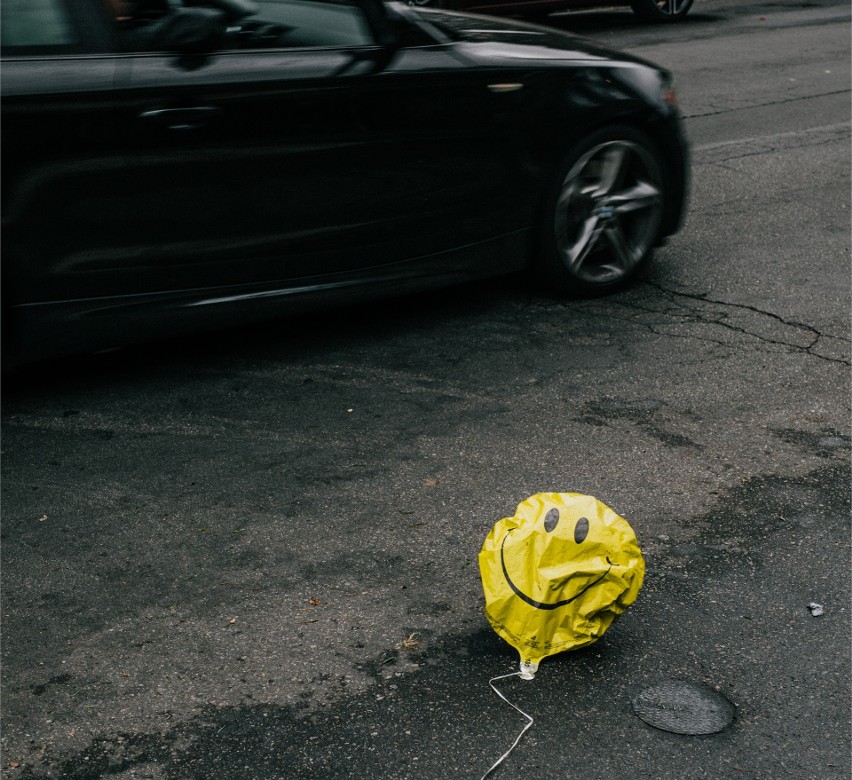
296	153
68	150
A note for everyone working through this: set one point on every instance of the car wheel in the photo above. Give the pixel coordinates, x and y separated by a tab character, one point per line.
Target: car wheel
661	10
603	213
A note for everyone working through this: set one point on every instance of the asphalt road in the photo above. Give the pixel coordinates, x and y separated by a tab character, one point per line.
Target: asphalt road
255	556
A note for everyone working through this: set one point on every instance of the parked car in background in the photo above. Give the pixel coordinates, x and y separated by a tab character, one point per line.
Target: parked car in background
650	10
203	165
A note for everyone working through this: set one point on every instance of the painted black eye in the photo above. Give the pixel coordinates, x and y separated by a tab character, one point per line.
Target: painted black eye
581	530
551	519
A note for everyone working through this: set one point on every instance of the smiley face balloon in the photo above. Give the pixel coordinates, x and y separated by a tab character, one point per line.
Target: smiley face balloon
557	574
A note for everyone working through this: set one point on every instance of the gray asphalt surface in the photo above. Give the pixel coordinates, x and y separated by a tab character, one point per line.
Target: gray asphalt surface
254	556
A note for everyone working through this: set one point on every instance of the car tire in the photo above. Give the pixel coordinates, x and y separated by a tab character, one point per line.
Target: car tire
661	10
603	212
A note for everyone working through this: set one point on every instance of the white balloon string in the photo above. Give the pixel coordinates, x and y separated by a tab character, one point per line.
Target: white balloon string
514	706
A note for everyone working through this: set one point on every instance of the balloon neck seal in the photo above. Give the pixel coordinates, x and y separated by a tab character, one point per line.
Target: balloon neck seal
528	670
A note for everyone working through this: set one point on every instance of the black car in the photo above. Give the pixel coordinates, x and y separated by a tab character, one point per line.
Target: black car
172	168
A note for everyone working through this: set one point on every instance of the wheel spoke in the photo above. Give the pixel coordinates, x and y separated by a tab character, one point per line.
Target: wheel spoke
612	167
566	198
621	254
579	251
641	196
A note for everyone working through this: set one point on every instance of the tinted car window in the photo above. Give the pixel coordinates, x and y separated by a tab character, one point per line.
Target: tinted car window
36	26
278	24
306	23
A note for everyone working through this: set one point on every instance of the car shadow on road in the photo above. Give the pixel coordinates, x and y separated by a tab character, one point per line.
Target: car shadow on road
275	340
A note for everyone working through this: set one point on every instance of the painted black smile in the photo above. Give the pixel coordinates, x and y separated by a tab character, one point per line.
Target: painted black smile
540	604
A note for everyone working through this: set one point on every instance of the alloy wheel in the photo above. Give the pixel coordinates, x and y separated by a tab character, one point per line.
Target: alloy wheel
608	212
661	10
673	7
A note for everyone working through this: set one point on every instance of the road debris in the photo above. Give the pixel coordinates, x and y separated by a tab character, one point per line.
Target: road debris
557	574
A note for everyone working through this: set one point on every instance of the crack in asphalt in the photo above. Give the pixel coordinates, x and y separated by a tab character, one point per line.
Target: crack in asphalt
814	334
770	144
768	150
751	106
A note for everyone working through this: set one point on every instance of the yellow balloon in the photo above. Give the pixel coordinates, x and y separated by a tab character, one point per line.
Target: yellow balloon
558	573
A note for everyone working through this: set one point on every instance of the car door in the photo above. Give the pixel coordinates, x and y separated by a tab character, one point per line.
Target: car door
61	141
315	152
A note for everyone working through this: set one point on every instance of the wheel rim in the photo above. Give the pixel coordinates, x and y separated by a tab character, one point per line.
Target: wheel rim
608	212
672	7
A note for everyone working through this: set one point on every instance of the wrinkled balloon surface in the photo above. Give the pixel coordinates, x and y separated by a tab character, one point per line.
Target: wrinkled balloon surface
558	573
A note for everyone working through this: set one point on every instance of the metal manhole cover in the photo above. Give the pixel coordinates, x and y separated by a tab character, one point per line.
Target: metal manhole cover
684	708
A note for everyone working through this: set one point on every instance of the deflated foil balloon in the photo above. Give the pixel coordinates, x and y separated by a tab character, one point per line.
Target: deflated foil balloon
557	574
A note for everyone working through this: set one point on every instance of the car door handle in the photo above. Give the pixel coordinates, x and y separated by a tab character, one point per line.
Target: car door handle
188	118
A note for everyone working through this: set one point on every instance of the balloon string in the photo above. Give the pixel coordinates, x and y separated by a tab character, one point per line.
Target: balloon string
523	731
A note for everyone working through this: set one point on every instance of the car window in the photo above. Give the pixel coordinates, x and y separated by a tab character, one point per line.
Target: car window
310	23
149	25
36	26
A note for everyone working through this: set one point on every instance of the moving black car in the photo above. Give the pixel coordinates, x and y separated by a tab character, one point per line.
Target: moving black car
168	169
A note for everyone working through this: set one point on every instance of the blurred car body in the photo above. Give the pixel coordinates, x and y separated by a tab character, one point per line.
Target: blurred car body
650	10
249	160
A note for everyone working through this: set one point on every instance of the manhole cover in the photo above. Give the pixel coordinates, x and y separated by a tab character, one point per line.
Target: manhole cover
683	708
